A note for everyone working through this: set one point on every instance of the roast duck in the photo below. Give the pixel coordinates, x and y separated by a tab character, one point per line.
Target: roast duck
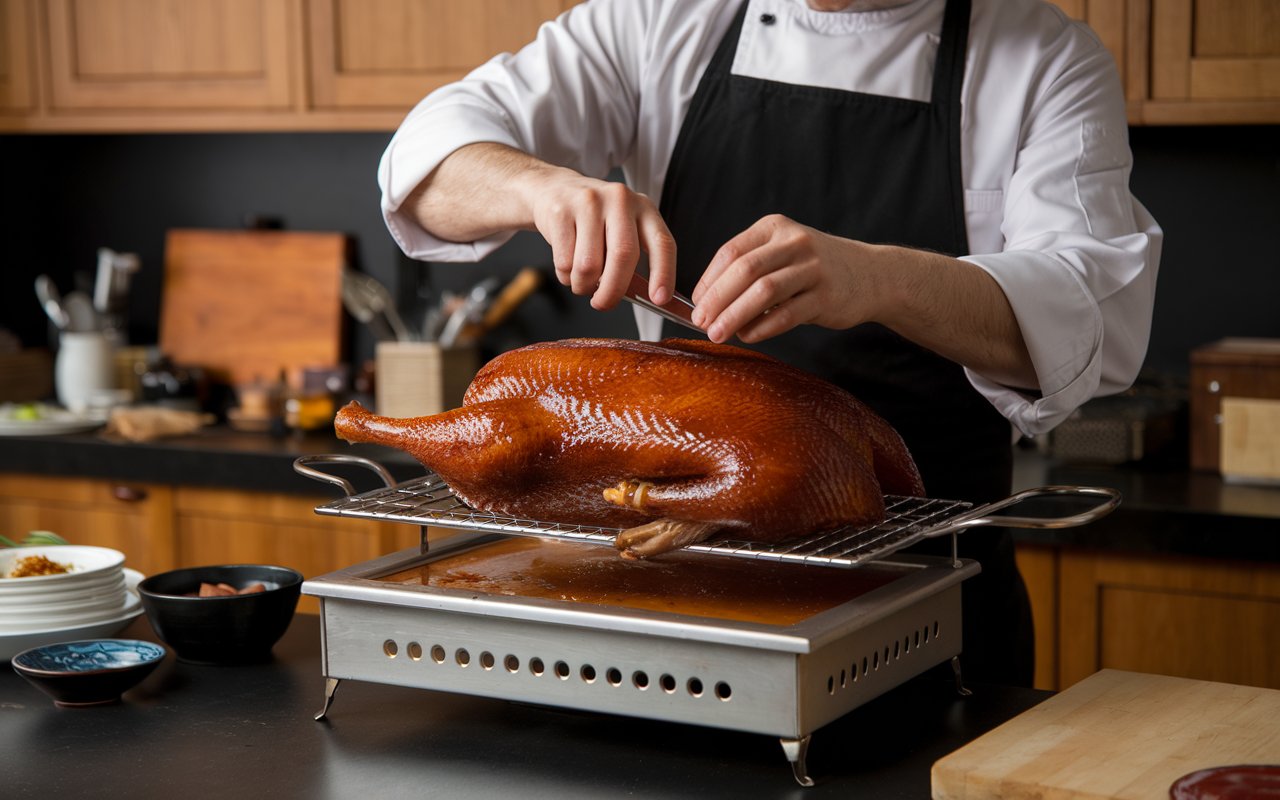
674	442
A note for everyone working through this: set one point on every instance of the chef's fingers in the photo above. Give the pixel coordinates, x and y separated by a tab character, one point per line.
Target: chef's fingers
754	237
559	234
588	250
788	314
657	241
622	247
753	295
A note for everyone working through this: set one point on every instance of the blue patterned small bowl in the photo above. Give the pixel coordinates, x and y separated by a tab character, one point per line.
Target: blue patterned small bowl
93	672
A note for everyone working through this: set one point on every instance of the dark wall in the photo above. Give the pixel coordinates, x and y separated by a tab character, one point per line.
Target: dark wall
1216	193
1215	190
65	196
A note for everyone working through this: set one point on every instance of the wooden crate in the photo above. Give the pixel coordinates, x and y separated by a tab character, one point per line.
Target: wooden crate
1231	368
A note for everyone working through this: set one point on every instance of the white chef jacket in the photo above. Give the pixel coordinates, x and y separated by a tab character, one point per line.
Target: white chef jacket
1045	152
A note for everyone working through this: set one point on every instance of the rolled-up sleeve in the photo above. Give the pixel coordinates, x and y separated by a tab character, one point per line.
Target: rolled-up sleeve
1081	253
567	97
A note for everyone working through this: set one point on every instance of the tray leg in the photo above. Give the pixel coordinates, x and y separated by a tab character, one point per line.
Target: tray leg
961	689
330	689
795	751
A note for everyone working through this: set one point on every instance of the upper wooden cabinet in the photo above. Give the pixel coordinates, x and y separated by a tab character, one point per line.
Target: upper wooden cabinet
239	65
389	54
1214	61
1191	62
170	55
17	75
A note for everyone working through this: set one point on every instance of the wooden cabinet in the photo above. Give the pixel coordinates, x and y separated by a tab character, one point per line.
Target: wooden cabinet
1214	61
212	65
172	55
17	58
389	54
1189	62
1192	618
236	65
136	519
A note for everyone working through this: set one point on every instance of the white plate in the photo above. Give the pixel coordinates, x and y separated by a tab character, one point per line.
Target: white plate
20	591
13	643
76	593
85	561
52	420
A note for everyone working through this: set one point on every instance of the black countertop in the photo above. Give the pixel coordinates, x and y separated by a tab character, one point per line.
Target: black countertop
200	731
1166	510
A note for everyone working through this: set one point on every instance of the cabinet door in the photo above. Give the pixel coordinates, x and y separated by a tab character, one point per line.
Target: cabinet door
190	55
135	519
1214	61
17	92
1202	619
389	54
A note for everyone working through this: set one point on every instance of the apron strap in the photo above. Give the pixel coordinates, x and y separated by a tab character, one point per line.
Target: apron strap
948	83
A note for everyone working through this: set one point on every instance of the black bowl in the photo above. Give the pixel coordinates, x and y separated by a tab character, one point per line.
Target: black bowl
238	629
91	672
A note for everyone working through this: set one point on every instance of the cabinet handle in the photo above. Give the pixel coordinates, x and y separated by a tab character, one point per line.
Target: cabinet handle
128	494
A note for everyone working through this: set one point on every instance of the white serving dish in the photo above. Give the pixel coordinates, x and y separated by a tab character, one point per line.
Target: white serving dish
85	561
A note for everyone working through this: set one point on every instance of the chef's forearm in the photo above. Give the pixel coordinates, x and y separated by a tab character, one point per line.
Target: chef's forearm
477	191
955	309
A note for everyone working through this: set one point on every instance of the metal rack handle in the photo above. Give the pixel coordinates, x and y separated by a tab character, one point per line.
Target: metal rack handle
983	515
301	465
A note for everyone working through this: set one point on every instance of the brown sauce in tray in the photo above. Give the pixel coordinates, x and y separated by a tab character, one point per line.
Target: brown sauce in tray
697	584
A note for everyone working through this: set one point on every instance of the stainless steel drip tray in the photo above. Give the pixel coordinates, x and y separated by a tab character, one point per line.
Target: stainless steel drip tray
907	579
780	680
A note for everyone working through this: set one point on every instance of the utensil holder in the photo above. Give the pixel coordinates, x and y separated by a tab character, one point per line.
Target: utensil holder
416	379
84	367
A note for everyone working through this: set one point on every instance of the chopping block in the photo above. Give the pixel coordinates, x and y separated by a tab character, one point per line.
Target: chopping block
1116	734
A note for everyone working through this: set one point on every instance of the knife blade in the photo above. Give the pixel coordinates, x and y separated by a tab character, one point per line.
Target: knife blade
679	309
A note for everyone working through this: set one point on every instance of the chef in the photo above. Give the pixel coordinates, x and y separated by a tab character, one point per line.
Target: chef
925	202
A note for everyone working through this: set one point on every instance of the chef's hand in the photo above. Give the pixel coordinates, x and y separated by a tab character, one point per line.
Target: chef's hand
778	274
598	230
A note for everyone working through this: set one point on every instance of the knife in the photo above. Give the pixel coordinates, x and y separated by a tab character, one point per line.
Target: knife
679	309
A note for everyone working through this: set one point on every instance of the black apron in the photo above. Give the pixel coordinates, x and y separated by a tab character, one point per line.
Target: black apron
883	170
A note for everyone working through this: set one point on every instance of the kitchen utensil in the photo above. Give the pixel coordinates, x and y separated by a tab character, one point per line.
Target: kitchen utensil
111	284
470	312
246	304
82	317
383	621
370	302
84	366
679	309
111	289
525	283
51	302
1116	734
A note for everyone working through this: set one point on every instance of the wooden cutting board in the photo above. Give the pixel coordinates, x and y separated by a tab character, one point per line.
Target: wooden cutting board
1116	735
246	304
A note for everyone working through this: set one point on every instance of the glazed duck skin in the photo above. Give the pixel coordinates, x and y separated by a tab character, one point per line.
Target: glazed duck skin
673	441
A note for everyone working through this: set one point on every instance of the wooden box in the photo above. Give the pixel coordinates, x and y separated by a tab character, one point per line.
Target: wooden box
1229	368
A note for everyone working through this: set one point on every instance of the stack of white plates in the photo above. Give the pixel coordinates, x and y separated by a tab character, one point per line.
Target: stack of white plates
95	597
